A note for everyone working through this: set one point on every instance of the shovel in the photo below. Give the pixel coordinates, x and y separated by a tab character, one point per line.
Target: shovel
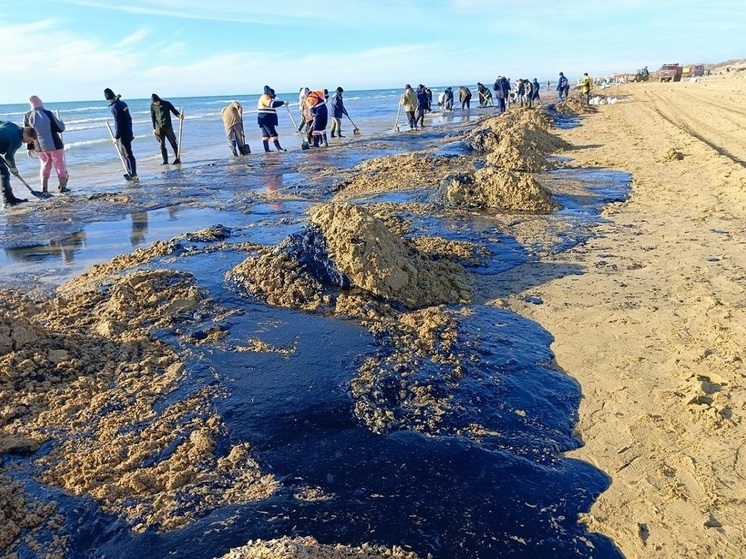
20	178
64	156
304	144
355	129
119	152
398	112
181	130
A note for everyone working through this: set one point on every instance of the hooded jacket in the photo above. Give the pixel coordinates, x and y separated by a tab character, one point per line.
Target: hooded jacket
266	113
232	115
423	101
11	139
47	126
161	114
122	118
338	105
409	100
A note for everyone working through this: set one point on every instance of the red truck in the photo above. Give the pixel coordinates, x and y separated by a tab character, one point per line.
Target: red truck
670	72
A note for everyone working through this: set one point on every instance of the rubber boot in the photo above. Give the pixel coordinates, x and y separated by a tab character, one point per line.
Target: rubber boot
315	141
45	184
265	143
164	155
277	145
326	142
63	184
8	198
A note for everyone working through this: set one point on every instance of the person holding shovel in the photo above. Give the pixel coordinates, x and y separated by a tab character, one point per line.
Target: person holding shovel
267	118
338	109
48	146
12	137
123	132
233	124
409	102
160	113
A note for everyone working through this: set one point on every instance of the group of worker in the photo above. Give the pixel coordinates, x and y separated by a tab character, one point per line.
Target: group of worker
313	115
42	130
42	134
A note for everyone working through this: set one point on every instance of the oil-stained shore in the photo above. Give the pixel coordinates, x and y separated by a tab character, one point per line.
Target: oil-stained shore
322	369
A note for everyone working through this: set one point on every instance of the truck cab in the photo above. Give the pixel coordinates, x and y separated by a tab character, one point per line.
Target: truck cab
670	72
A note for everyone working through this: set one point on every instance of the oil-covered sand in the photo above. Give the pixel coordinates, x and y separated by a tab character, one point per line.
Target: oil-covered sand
120	387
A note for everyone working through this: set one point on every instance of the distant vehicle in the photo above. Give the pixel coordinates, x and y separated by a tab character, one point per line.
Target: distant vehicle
642	75
698	70
670	72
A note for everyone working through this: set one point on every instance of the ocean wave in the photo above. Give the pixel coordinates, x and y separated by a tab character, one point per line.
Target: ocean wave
84	143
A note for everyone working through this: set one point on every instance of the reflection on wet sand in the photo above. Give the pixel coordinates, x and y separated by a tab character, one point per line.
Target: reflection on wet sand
139	228
66	247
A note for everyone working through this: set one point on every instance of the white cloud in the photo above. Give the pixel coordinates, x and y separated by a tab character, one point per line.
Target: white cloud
351	13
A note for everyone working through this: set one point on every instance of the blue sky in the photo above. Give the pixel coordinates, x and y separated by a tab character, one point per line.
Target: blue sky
67	50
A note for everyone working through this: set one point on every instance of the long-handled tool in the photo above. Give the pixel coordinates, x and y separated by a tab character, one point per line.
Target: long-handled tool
355	129
245	149
20	178
304	144
398	112
127	172
181	131
64	159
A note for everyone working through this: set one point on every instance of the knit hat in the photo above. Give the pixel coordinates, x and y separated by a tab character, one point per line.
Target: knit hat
154	98
340	90
109	94
407	86
35	102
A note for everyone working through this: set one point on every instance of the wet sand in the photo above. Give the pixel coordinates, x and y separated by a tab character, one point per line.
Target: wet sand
646	315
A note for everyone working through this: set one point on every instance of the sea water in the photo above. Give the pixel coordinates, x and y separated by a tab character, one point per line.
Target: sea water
93	161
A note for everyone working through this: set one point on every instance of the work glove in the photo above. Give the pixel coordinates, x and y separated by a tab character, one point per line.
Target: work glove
14	171
30	152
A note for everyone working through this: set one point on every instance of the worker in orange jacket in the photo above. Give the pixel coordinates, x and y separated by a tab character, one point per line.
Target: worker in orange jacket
316	101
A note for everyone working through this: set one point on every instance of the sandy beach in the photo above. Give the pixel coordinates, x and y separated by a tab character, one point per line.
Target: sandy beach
654	327
114	386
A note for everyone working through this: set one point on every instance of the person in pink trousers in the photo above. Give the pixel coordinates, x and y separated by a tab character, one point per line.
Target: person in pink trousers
48	145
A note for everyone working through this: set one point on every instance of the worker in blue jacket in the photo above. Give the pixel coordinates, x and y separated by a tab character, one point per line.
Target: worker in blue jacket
12	137
338	109
123	132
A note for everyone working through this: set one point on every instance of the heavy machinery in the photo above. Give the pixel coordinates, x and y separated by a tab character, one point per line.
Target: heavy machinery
642	75
670	72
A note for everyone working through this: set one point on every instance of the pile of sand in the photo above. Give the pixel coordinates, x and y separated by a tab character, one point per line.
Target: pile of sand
384	264
399	172
350	248
574	105
493	187
308	548
83	372
516	143
276	276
